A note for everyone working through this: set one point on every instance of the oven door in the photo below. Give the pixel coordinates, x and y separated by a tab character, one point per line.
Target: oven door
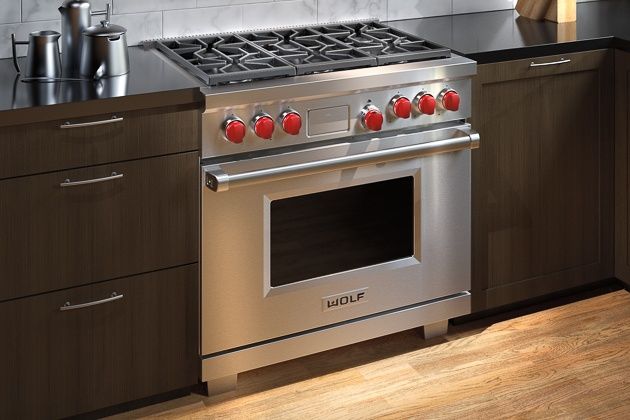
308	239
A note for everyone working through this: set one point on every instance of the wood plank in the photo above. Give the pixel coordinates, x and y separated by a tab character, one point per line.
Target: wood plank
570	361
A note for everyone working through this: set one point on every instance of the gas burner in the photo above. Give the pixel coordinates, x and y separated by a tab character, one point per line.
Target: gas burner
310	51
243	57
387	44
225	59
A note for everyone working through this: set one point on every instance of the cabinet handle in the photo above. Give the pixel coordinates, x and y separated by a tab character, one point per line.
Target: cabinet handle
113	119
68	183
552	63
69	307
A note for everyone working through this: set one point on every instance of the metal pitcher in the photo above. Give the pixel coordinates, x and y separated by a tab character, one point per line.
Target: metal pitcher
76	16
43	59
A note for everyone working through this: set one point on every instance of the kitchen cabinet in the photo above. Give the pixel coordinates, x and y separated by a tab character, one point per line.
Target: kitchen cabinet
543	177
56	363
56	236
622	166
78	142
107	211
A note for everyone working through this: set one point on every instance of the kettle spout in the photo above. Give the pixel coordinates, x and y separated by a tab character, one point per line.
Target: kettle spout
62	10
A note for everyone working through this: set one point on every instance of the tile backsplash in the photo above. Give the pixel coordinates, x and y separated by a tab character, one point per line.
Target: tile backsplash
146	19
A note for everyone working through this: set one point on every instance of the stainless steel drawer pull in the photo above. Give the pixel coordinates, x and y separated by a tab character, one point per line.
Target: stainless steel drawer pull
552	63
68	183
69	307
113	119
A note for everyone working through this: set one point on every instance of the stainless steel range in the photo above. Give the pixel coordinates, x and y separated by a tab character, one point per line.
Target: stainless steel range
336	190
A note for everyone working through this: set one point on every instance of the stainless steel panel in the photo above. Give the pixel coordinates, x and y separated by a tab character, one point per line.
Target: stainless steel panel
352	332
328	120
238	305
326	84
214	143
221	178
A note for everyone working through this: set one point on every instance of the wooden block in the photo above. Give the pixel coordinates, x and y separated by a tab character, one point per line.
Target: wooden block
554	10
562	11
567	31
533	9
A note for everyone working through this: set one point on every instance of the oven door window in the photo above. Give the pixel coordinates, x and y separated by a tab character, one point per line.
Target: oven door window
333	231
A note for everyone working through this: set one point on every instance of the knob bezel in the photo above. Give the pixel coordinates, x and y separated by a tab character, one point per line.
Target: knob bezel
284	115
440	99
231	120
418	98
392	107
257	118
366	111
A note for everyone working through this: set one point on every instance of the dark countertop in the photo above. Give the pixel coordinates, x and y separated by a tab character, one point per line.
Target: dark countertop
504	35
152	82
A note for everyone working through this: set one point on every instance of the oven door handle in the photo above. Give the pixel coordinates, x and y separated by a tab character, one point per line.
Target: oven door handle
217	179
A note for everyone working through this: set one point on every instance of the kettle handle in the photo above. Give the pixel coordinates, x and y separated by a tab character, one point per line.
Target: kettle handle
107	12
13	44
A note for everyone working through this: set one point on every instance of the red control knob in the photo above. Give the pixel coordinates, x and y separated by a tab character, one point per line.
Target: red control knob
426	104
401	107
291	122
372	118
451	100
263	126
235	130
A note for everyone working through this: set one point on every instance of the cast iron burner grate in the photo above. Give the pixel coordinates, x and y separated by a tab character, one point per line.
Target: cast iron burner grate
242	57
225	59
387	44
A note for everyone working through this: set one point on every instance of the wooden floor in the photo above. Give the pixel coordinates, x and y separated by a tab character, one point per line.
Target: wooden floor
569	361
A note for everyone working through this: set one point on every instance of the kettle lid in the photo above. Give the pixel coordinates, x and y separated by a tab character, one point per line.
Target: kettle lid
105	29
71	4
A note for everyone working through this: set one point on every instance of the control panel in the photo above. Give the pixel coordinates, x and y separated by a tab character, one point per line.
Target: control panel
252	127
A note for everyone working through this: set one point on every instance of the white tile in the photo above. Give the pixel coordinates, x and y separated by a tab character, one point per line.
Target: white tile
33	10
212	3
135	6
410	9
473	6
202	21
140	26
21	31
282	13
11	11
336	10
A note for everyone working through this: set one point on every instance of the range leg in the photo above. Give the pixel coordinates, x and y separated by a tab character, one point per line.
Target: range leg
222	385
435	330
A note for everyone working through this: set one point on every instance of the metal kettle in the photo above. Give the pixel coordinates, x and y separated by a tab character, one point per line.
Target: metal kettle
76	16
104	51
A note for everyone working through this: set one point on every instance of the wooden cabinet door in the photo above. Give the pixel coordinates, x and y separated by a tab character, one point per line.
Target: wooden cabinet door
56	363
46	147
543	177
622	166
55	237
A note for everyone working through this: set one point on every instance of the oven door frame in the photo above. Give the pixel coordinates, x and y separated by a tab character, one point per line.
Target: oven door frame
298	173
369	270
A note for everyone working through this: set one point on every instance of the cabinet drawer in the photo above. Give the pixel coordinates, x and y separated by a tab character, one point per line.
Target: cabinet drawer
542	66
45	147
58	363
141	216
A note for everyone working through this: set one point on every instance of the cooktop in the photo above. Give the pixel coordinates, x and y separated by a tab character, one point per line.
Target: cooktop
241	57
